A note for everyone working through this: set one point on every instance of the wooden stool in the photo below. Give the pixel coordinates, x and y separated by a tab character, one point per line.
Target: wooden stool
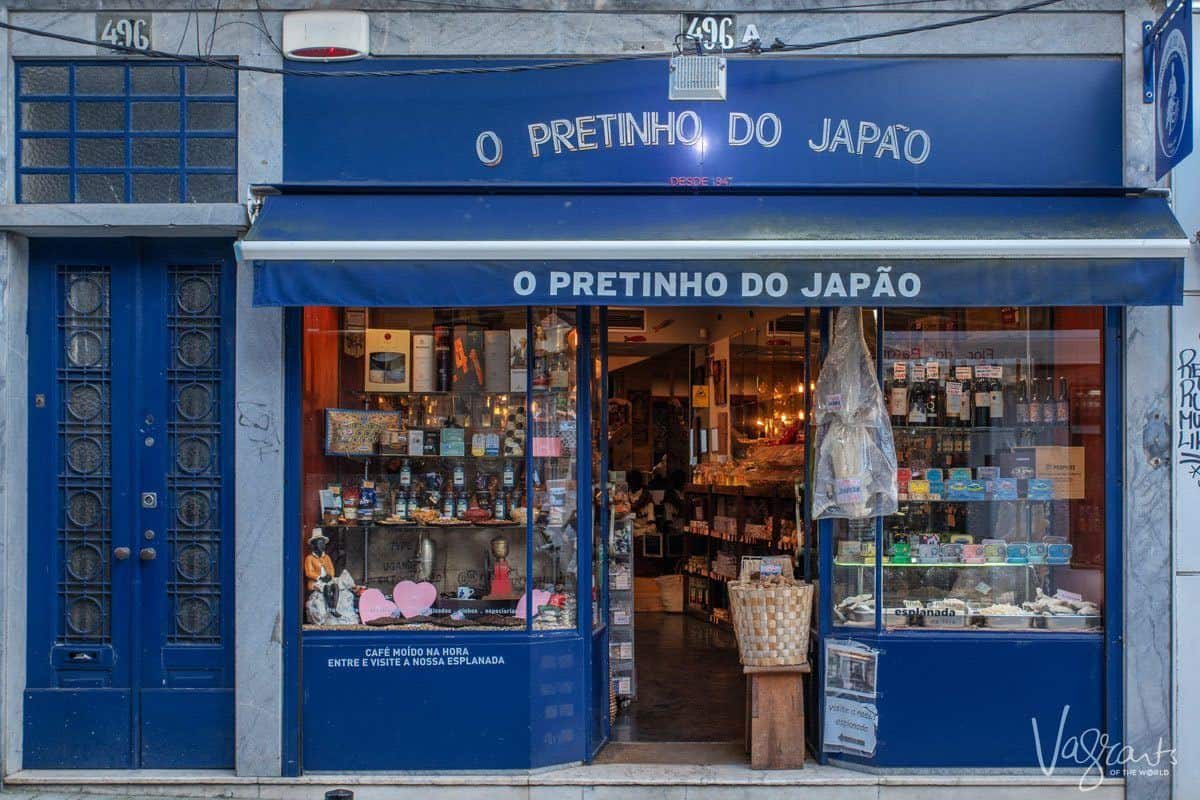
775	716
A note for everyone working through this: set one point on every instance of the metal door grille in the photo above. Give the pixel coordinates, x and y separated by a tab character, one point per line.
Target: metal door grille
85	455
194	475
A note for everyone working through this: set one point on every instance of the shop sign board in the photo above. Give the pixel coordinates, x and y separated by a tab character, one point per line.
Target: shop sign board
1170	42
713	283
786	122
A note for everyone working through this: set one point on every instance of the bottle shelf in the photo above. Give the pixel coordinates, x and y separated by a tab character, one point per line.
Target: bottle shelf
451	393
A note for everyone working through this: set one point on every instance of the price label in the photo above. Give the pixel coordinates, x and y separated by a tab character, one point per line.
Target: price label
900	370
932	370
962	373
849	491
124	30
712	31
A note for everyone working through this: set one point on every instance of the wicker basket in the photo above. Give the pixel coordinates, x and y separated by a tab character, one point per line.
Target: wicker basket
771	622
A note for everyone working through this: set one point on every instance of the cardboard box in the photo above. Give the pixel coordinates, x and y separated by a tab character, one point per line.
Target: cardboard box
1065	467
387	368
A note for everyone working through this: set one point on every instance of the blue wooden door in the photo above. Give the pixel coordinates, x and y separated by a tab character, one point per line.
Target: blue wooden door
130	604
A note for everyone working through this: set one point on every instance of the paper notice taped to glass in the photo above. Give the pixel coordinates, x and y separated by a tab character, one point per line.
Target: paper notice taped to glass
851	714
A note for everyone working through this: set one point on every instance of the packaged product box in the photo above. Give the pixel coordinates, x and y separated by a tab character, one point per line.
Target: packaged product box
547	446
387	367
468	358
495	361
423	371
518	359
453	442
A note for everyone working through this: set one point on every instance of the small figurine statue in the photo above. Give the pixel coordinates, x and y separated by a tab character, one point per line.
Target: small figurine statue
318	568
501	587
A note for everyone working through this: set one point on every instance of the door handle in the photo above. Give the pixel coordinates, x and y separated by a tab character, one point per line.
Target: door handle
120	553
147	554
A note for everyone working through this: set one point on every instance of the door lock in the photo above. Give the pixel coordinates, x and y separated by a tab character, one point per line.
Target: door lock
147	554
149	499
120	553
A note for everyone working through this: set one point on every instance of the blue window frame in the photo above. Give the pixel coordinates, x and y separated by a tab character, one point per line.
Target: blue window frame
116	131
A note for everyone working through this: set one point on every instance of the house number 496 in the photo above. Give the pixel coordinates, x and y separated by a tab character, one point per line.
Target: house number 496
124	31
714	32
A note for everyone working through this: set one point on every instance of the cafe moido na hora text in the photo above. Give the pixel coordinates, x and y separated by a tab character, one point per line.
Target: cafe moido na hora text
822	182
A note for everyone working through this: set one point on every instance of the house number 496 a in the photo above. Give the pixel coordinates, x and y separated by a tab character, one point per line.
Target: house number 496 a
123	30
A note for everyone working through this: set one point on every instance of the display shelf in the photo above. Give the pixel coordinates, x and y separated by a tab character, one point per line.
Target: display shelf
418	527
958	564
914	429
773	491
451	393
977	500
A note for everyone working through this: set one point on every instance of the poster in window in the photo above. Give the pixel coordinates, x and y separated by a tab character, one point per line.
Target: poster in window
349	432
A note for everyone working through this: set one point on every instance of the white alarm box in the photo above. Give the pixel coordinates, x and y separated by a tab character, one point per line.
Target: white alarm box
388	362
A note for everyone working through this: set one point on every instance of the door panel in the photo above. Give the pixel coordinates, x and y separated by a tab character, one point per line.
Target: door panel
130	542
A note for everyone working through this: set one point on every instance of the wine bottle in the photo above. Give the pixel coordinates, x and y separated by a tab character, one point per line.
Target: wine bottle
964	409
443	357
898	398
916	396
982	400
953	398
1035	403
1062	406
1022	402
932	394
1049	407
996	399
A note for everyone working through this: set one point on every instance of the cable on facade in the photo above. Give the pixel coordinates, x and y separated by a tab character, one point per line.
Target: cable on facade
777	47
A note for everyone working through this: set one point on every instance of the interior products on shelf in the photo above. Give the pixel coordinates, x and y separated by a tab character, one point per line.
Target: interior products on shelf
1000	516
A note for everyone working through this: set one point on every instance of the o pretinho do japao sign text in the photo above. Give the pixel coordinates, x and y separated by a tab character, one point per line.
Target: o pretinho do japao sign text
837	122
825	283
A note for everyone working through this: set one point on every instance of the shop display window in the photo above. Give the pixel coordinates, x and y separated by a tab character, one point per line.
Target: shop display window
439	469
998	419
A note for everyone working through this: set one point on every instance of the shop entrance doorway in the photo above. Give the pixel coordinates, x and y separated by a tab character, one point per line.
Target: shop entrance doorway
706	451
130	636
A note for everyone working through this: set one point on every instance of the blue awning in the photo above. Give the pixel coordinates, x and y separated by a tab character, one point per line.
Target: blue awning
494	249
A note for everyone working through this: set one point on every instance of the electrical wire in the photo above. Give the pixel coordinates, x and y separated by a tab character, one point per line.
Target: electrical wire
576	61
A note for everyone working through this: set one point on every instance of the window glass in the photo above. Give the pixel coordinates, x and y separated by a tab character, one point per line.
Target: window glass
855	553
414	474
600	498
552	431
178	123
998	415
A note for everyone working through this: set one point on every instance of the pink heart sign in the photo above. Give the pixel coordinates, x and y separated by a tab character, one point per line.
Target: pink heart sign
373	605
414	598
540	598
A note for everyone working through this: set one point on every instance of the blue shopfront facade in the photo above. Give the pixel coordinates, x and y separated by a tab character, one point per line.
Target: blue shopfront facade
873	183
